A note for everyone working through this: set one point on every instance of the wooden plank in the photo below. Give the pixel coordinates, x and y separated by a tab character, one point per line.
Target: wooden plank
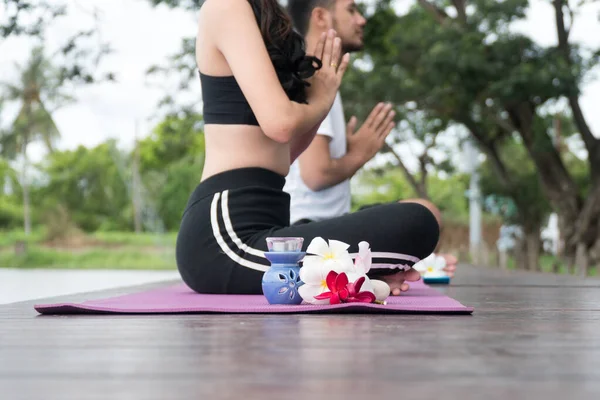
530	341
469	275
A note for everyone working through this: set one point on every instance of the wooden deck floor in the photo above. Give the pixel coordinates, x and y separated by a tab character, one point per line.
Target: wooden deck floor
532	336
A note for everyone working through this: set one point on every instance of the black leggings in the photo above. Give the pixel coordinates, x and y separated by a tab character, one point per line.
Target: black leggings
228	217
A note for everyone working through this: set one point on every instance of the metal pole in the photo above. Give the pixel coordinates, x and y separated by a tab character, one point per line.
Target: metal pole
471	155
475	216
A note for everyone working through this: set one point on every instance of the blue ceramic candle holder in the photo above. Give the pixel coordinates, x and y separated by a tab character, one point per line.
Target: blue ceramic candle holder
281	281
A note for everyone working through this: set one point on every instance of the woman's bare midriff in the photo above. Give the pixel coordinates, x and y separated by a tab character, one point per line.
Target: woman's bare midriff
240	146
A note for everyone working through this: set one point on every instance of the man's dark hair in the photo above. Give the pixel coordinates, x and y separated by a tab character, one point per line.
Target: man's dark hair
300	11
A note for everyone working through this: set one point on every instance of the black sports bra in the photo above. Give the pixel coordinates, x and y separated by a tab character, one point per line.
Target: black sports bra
224	101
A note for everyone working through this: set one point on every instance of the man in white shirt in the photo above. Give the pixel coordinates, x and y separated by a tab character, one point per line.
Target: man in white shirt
319	180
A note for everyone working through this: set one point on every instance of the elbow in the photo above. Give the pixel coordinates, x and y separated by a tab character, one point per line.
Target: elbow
280	131
314	180
281	126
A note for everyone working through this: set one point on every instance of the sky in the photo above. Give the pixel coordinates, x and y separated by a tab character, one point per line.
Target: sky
142	36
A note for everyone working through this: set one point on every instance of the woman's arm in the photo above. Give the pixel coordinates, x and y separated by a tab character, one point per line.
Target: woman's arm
301	142
234	30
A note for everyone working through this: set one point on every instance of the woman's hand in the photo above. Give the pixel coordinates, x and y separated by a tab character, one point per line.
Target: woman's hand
326	81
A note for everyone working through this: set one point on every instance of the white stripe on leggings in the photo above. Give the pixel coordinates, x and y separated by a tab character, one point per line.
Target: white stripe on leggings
250	250
393	256
217	233
401	267
231	232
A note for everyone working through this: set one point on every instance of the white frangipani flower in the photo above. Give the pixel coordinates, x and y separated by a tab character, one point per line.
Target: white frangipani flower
333	256
322	258
431	266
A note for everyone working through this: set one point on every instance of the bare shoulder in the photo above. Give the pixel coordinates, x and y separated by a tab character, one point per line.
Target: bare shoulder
217	15
224	8
218	18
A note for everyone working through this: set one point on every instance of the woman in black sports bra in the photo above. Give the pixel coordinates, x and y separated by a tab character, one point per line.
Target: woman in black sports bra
264	99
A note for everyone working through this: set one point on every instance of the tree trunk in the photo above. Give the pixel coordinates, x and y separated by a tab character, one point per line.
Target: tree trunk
527	251
592	144
502	259
556	181
581	260
136	186
521	254
25	187
420	188
579	216
533	249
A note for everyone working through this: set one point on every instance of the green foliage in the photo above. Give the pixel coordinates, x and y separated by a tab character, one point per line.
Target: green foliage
135	239
171	162
77	58
11	213
390	184
133	258
466	67
186	4
26	17
378	186
88	183
181	179
38	87
526	191
449	195
9	237
175	138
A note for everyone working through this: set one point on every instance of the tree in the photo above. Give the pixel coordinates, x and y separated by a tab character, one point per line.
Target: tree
89	185
385	185
532	207
11	214
45	79
583	233
176	137
39	86
26	17
470	69
182	64
171	162
77	58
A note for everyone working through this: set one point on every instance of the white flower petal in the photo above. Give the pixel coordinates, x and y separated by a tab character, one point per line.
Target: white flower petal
313	274
339	266
313	261
364	258
435	274
308	293
338	248
439	263
425	263
318	246
432	266
420	266
346	262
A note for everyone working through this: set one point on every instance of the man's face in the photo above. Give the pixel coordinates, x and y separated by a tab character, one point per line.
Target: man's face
348	23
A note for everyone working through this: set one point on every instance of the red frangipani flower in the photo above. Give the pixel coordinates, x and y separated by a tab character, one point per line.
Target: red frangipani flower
343	291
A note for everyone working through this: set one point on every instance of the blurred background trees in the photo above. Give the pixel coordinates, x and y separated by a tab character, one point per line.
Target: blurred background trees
456	72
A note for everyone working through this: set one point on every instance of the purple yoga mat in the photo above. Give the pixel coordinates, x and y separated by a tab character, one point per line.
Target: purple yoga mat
179	299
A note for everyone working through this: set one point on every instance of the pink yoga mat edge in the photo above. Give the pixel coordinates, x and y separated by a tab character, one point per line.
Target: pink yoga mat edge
178	299
74	308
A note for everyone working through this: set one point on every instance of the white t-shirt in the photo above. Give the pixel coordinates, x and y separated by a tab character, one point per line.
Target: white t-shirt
330	202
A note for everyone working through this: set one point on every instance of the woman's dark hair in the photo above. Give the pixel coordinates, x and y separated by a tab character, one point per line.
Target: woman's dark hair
286	48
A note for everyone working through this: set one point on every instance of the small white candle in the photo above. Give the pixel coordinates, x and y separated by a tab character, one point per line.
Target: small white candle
278	246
